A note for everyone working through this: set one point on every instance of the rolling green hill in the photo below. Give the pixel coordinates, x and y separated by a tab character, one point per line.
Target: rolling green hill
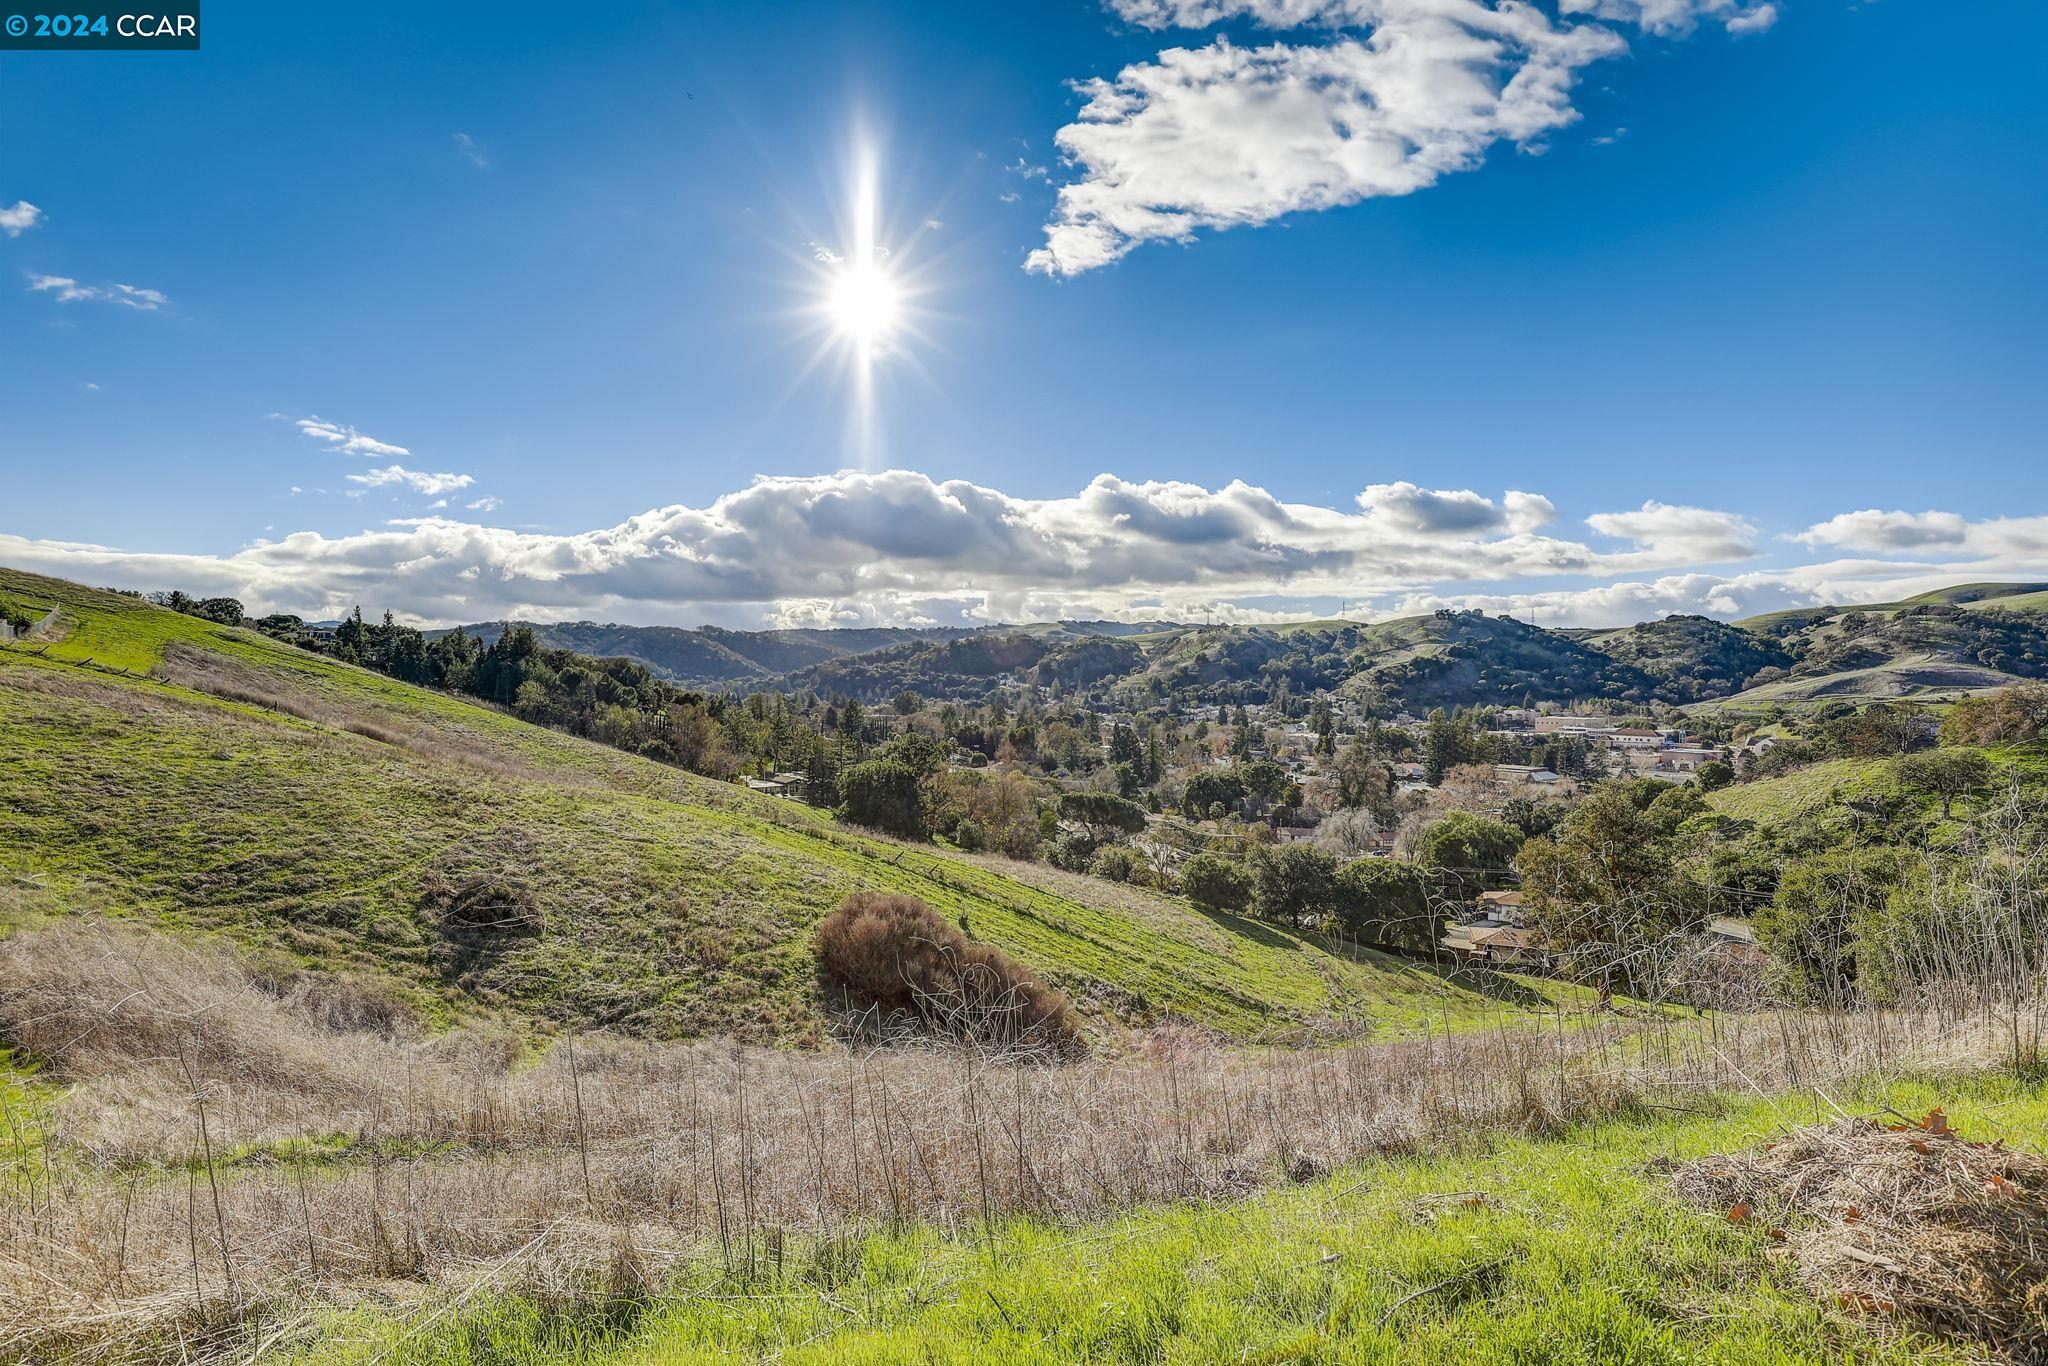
1692	657
1965	638
1972	638
1463	658
2009	597
1796	795
1968	639
1444	659
715	657
711	655
155	765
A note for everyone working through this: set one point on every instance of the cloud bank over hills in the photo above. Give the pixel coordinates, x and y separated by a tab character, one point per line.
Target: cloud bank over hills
899	548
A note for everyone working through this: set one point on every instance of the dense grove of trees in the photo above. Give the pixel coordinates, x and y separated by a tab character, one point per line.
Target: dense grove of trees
615	701
2012	716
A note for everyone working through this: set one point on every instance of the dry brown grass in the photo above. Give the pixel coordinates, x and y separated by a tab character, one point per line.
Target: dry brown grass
1905	1220
895	959
229	1137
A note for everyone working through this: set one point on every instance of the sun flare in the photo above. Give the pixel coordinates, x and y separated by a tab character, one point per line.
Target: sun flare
864	302
867	300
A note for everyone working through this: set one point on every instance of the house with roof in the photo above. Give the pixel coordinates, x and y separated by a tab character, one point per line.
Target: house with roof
786	784
1687	760
1735	938
1494	934
1561	724
1495	944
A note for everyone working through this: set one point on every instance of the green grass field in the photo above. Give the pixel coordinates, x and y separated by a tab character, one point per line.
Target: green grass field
1799	794
1776	801
1563	1249
671	905
22	1112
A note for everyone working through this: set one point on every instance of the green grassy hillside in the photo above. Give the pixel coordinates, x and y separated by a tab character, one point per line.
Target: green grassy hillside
2009	596
1779	801
1453	658
1969	639
1957	639
1444	659
1911	676
1799	797
2027	598
156	765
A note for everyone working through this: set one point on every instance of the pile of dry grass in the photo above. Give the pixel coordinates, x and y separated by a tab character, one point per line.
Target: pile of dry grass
895	955
1906	1220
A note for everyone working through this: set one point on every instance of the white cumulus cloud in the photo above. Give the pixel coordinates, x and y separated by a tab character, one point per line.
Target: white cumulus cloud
1410	508
899	546
19	217
1686	534
1388	98
1993	541
1678	16
1871	529
1528	511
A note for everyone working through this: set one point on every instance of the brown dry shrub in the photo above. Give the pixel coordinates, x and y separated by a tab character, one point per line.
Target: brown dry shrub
895	957
1901	1220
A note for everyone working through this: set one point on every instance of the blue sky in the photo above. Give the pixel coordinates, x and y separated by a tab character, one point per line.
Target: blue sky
1770	269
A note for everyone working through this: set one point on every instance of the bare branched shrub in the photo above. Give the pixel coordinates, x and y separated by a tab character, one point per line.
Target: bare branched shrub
895	956
344	1003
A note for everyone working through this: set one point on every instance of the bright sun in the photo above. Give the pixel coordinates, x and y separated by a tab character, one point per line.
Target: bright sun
864	302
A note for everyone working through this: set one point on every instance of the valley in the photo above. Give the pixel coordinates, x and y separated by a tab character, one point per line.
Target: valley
285	935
